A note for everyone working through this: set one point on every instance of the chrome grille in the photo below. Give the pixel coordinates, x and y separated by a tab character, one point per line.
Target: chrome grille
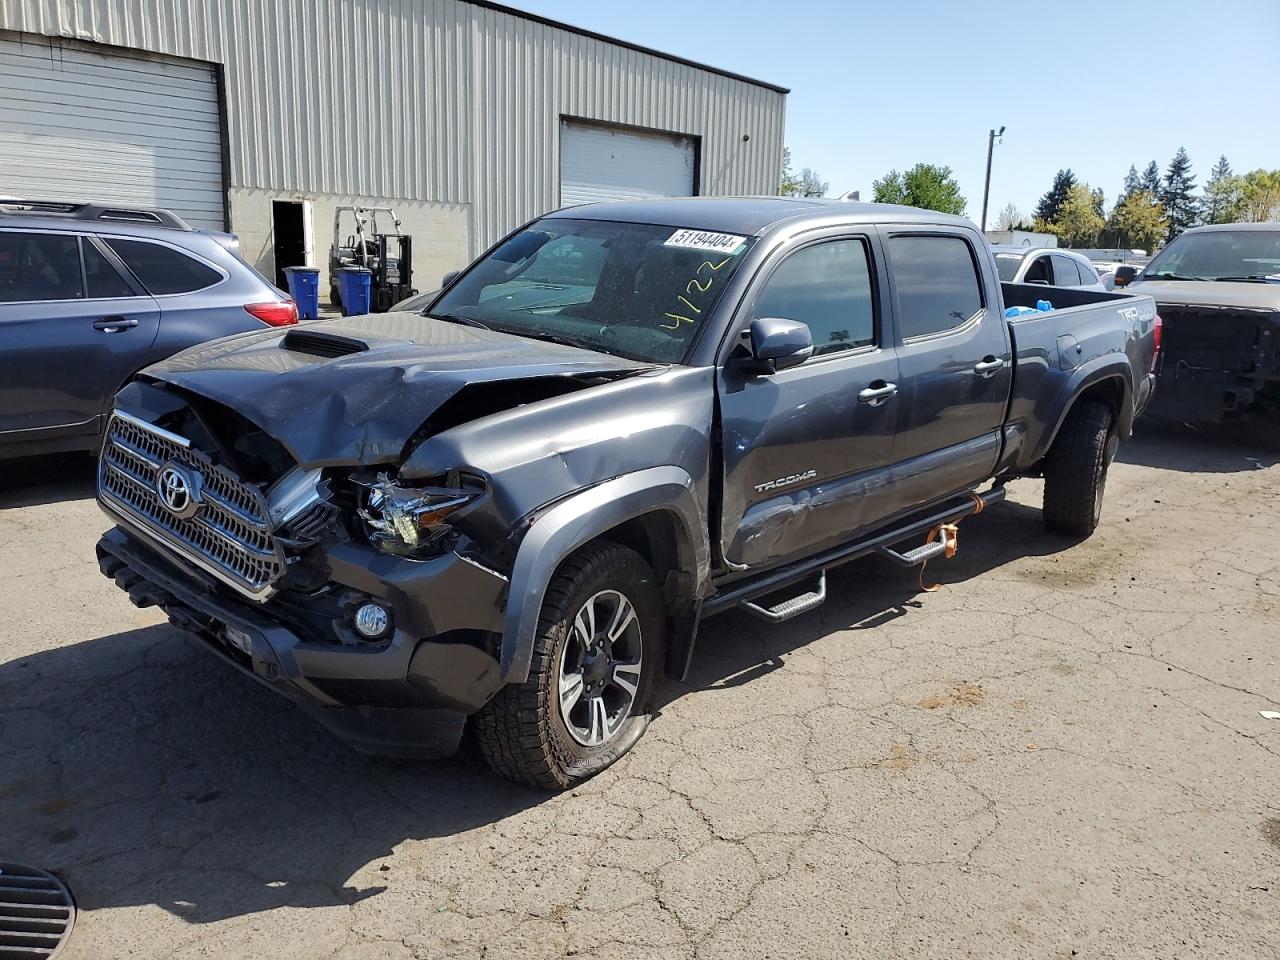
230	536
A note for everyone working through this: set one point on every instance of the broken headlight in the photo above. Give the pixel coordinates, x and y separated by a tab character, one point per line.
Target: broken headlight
411	521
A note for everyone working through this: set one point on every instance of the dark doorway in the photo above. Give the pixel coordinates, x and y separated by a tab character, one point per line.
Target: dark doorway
290	236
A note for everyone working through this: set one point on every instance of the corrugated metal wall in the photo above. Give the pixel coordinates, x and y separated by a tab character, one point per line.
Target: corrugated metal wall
432	100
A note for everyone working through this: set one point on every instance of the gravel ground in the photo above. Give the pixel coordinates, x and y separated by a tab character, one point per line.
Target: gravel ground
1058	754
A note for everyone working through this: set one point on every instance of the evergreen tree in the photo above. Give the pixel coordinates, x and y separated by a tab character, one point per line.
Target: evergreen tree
1131	182
1150	179
1049	205
1221	193
1180	203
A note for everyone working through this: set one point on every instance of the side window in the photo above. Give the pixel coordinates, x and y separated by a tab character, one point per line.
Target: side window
1038	272
102	279
1088	272
937	284
39	266
1065	273
162	269
828	287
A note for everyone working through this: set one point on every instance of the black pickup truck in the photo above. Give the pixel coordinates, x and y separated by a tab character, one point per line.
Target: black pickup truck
517	506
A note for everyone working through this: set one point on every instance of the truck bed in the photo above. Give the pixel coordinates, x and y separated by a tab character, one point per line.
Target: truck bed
1084	339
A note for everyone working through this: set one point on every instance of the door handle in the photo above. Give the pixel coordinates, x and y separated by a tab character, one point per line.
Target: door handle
114	324
988	366
877	393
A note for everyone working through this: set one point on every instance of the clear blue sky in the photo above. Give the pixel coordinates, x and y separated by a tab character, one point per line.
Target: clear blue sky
1086	85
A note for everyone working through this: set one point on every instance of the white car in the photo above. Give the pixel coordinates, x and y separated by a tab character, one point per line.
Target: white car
1047	266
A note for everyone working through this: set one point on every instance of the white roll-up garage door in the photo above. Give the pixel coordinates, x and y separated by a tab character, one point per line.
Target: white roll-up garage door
84	125
608	163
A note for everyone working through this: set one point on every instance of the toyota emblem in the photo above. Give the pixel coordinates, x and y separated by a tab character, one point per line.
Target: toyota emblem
179	491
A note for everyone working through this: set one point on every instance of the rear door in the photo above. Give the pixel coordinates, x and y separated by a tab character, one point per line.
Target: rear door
805	449
73	328
954	365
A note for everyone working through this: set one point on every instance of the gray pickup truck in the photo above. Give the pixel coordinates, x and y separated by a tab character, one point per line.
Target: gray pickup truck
518	506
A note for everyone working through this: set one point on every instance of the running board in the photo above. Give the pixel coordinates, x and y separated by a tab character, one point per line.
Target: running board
802	603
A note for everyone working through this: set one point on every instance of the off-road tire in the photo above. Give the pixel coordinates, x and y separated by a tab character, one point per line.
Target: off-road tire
1075	470
520	732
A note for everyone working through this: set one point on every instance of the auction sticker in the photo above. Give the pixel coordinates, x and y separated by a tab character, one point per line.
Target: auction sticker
702	240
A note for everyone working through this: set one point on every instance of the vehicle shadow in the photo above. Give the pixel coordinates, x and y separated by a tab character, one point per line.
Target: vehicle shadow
146	772
53	478
863	595
1209	448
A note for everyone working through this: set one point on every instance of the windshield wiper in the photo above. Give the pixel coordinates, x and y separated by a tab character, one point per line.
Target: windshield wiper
1255	278
1171	276
562	339
454	318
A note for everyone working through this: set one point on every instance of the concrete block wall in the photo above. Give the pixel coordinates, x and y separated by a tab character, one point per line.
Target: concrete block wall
441	232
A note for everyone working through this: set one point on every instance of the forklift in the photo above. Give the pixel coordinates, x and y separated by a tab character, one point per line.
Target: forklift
367	246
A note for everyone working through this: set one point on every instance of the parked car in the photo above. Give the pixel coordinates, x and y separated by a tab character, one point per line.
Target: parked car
520	513
1218	290
1046	266
91	294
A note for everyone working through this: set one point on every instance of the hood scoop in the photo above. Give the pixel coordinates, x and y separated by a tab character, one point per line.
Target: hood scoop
319	344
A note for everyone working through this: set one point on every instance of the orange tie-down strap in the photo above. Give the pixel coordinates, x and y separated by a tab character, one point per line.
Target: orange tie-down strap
949	534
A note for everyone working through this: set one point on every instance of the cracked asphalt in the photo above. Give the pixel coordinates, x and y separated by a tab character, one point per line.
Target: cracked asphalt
1059	754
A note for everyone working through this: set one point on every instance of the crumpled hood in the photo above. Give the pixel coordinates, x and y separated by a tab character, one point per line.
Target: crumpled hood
1225	293
355	390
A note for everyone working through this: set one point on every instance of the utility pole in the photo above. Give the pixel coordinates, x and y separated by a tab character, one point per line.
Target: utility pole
986	190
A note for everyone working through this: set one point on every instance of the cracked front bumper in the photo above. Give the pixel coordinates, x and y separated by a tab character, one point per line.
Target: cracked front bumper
408	697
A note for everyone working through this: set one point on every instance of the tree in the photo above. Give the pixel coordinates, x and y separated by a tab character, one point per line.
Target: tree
1180	204
790	185
1221	193
1010	218
925	186
1138	220
811	185
1259	197
1078	222
1150	179
1131	182
1049	205
1099	202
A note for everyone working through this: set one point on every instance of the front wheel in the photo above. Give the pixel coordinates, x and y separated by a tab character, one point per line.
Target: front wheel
1075	470
596	663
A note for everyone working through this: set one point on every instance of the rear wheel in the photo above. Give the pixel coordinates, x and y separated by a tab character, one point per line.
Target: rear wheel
1075	470
596	663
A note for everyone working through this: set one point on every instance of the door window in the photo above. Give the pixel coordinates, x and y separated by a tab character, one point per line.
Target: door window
1038	272
39	266
163	270
102	279
1065	273
937	284
828	287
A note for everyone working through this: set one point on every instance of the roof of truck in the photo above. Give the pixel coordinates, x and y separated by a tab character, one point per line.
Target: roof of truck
751	215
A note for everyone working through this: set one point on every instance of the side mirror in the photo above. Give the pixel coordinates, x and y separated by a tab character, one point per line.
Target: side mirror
449	277
1125	275
780	343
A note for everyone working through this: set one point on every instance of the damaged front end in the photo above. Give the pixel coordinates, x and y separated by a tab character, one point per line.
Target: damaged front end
1218	363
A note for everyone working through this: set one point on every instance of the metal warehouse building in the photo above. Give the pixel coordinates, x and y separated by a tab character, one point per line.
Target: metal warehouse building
262	116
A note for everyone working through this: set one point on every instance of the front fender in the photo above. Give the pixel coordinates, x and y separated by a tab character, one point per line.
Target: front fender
581	518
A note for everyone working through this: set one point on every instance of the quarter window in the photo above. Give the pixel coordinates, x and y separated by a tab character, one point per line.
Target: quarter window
937	284
39	266
162	269
102	279
828	287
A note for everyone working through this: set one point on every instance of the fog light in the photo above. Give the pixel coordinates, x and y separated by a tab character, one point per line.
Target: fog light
372	621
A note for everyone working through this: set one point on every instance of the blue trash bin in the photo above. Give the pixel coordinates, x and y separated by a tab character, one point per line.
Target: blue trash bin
304	287
354	283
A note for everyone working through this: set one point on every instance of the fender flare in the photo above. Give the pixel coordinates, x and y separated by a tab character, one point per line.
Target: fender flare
581	518
1108	367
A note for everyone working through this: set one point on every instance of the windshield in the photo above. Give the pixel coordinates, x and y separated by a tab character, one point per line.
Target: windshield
1007	265
632	289
1219	255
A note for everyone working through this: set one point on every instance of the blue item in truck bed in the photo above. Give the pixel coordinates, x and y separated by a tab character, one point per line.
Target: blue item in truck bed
1042	306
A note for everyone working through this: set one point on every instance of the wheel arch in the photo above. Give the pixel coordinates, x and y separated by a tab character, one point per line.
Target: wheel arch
1106	383
656	512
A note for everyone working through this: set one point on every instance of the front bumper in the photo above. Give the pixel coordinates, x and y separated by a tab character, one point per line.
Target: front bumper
408	697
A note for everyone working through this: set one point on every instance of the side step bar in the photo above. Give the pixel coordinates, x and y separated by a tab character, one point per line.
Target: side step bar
742	593
790	608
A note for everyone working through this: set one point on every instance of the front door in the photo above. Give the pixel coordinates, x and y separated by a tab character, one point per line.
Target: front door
805	449
72	330
955	367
